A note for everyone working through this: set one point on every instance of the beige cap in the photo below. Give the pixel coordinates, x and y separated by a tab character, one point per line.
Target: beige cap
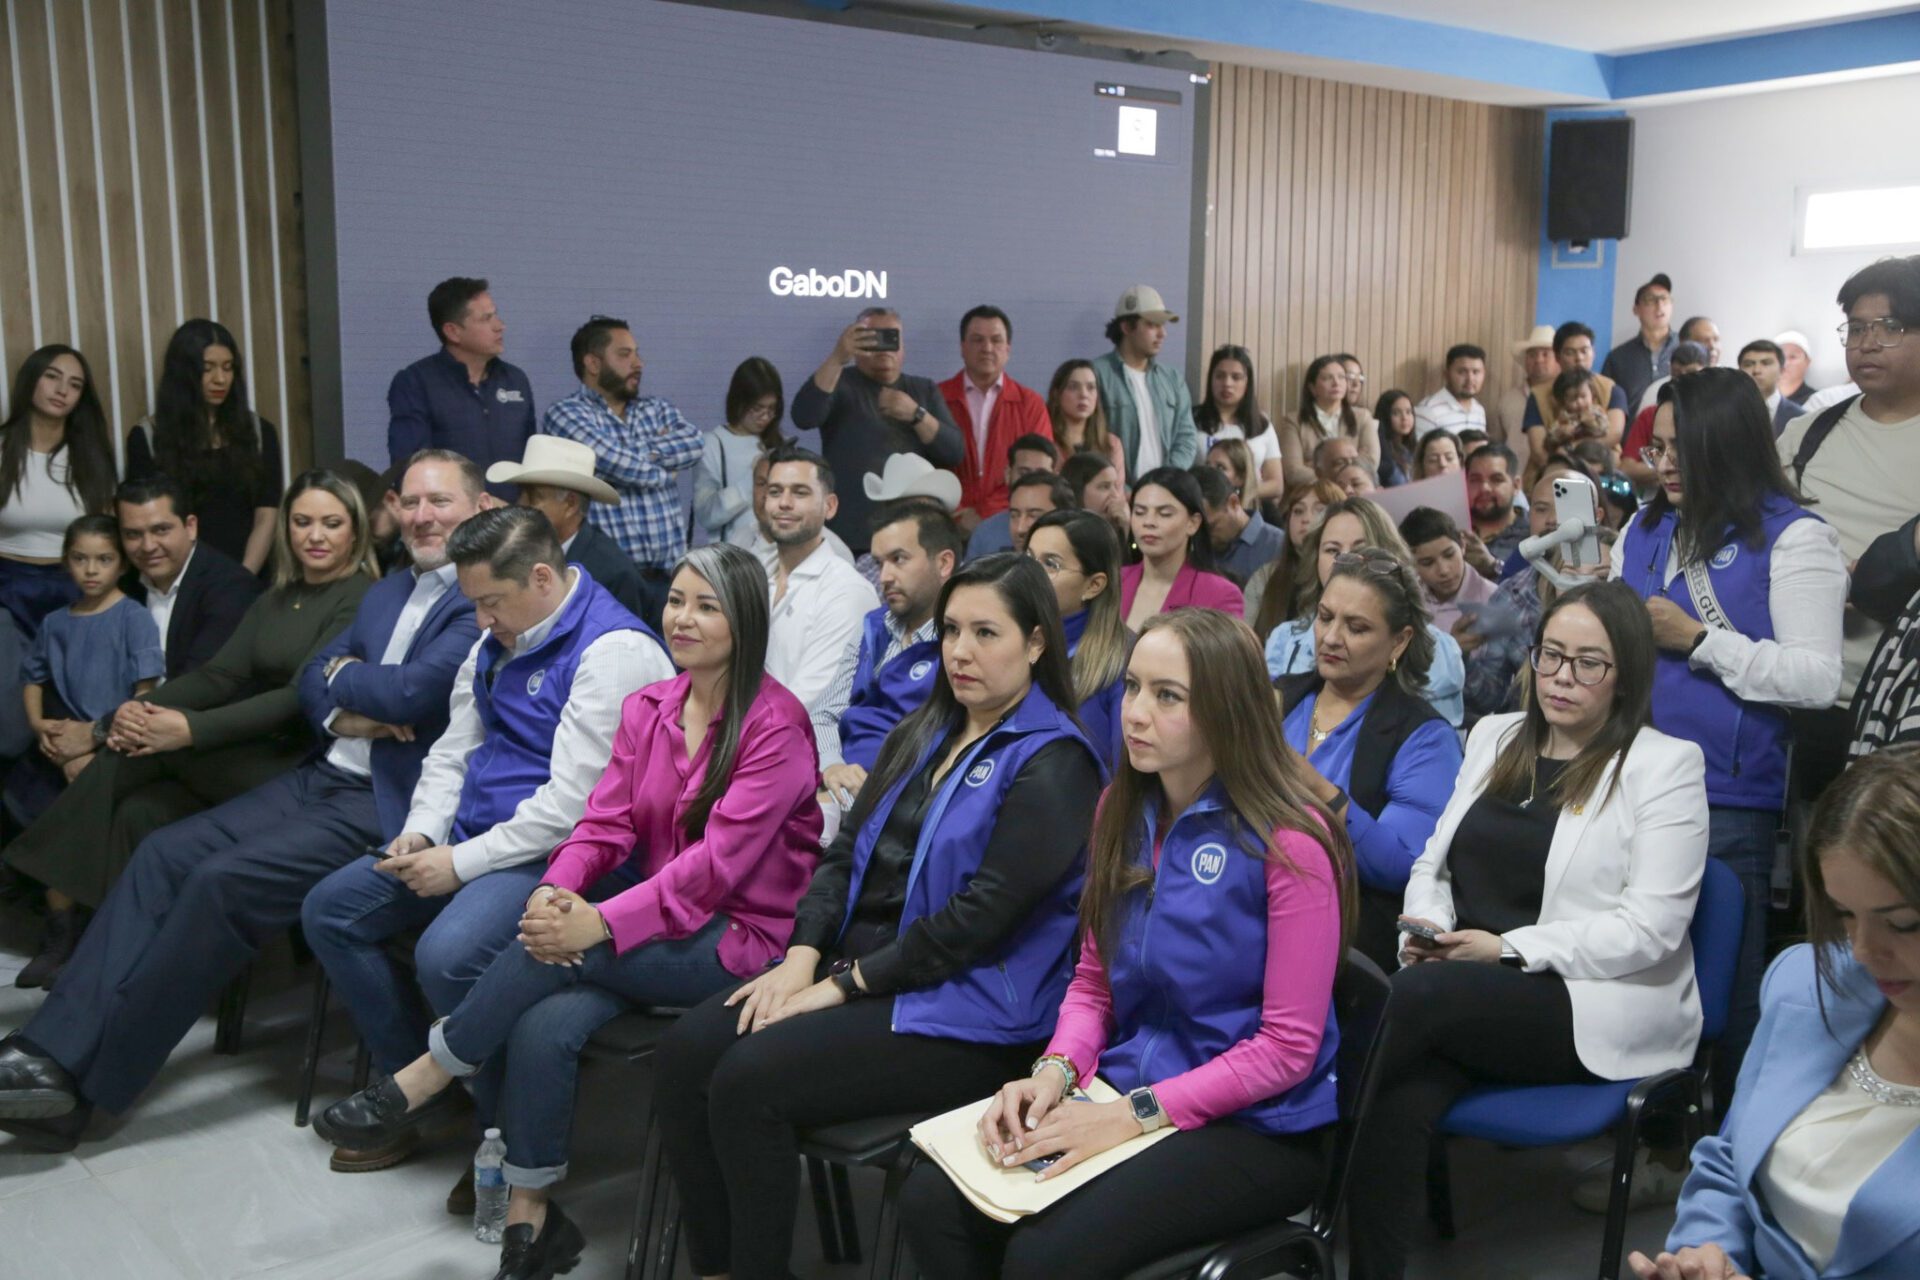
564	464
1542	336
908	475
1144	300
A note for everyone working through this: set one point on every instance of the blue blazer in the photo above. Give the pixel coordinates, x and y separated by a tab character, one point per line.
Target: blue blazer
1792	1059
415	691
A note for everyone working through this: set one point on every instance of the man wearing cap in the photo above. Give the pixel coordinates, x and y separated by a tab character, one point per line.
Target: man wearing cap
1643	357
1147	403
867	413
1538	368
1028	455
640	446
992	411
1796	361
556	479
1762	360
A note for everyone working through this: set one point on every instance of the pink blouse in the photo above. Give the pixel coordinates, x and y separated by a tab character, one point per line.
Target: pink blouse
754	859
1303	955
1191	586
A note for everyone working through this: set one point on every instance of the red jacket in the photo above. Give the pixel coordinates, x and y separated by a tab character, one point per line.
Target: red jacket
1018	412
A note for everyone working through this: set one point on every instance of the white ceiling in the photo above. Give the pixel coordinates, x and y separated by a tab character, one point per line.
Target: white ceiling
1627	26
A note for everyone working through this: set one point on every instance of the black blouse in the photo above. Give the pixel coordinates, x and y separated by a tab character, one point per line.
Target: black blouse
223	492
1498	858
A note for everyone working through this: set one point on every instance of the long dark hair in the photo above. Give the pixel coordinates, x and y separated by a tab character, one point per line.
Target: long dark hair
1094	433
1728	464
183	432
754	379
1238	714
1206	414
1023	588
1309	410
1623	614
89	449
1186	491
741	583
1391	445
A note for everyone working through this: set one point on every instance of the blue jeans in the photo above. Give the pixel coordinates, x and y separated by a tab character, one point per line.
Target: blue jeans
350	916
542	1014
1744	840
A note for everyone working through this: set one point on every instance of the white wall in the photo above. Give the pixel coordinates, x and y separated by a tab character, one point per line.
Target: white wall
1713	205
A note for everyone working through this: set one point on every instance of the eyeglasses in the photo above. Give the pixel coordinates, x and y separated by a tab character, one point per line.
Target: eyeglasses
1371	559
1054	566
1886	332
1587	669
1652	454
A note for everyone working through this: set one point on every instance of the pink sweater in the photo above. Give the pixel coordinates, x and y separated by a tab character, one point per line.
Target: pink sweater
753	862
1191	586
1303	955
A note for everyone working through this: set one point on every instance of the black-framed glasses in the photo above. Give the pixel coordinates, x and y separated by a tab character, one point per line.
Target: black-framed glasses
1587	669
1886	331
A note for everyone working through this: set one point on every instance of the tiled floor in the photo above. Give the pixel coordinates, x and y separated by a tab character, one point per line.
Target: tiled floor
208	1179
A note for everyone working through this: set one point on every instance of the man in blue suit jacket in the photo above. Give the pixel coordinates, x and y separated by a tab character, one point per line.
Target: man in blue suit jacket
201	895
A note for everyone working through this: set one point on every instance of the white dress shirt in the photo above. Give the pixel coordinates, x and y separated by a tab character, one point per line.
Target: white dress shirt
617	664
355	755
1806	593
160	603
814	625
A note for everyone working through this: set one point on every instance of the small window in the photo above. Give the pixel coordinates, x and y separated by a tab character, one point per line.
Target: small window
1867	218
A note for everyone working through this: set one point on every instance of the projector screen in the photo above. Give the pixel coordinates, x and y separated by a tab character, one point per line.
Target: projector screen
735	184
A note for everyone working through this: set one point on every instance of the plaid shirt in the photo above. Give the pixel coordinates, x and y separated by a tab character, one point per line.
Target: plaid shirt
1494	668
641	455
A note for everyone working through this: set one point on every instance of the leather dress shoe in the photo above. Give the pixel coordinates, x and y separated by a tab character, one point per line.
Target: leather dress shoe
33	1087
377	1116
372	1159
58	1135
555	1251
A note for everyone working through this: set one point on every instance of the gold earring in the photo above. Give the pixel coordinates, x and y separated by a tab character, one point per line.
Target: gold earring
1393	665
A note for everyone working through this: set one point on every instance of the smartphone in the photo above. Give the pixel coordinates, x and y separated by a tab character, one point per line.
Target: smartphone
380	852
1574	498
1047	1162
1419	929
885	339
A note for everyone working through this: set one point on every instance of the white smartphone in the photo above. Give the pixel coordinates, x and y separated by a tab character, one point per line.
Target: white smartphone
1575	498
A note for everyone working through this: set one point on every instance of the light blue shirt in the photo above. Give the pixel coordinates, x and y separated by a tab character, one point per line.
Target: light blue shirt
1290	651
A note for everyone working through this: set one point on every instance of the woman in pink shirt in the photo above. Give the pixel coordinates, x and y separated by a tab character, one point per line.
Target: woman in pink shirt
696	845
1204	992
1169	526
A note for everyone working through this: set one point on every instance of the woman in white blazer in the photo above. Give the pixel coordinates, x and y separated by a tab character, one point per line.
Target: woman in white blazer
1560	884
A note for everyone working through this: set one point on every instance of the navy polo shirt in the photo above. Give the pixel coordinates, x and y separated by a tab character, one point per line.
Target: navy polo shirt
433	404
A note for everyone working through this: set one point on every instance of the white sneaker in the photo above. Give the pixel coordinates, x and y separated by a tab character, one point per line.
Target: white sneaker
1654	1183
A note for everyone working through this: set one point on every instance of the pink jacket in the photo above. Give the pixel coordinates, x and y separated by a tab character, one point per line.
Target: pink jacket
1191	586
762	838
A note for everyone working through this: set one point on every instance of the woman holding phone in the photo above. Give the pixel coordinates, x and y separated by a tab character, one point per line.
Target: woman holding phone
1212	925
1559	886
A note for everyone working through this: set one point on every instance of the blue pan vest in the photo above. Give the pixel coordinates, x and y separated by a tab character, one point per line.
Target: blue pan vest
884	695
521	706
1745	742
1014	996
1100	713
1189	968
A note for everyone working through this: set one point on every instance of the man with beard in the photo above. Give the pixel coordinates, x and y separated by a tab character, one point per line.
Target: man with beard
640	446
463	397
819	600
200	895
1490	480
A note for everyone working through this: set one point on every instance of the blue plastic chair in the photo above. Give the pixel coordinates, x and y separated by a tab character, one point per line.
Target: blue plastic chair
1557	1115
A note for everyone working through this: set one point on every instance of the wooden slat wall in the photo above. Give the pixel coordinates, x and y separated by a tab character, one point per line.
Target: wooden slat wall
1346	218
152	148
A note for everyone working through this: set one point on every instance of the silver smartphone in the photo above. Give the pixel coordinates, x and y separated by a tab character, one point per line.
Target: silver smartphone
1575	498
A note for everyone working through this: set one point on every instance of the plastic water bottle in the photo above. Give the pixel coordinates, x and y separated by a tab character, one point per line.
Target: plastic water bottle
490	1189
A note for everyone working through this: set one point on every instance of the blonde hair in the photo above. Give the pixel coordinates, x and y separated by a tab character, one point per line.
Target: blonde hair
1871	811
1240	458
286	570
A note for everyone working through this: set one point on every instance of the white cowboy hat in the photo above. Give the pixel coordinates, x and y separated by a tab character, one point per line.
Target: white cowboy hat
908	475
1542	336
564	464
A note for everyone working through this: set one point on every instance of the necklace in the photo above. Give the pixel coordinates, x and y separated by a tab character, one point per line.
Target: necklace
1315	734
1868	1081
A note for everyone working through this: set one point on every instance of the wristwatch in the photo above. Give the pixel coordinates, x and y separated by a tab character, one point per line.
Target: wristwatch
1700	638
1510	957
1146	1109
840	973
919	413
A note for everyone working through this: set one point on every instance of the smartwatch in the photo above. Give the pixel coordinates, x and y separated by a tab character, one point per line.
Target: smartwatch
1510	957
1146	1109
841	975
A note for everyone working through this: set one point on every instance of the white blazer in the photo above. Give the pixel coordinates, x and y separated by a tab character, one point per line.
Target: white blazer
1622	877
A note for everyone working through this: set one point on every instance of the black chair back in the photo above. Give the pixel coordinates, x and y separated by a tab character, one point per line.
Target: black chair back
1359	1003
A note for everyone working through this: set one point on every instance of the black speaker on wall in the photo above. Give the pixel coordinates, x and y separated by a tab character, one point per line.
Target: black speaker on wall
1589	179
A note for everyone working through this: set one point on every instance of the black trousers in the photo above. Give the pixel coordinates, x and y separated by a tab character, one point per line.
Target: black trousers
1449	1025
1194	1188
729	1107
190	913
